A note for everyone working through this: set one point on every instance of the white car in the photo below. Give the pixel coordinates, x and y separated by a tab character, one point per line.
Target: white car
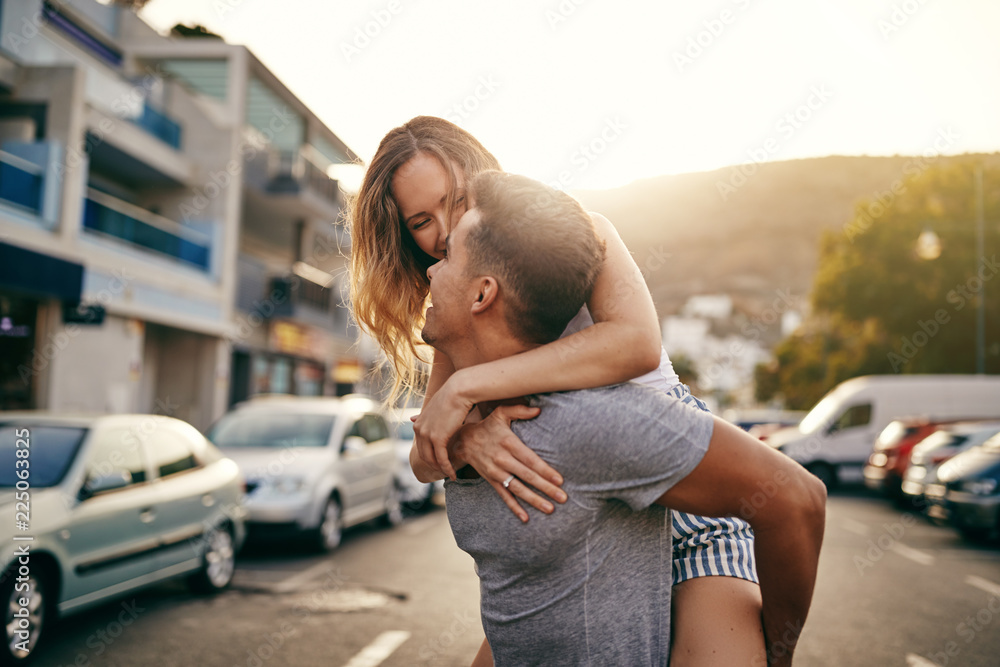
416	495
98	506
313	465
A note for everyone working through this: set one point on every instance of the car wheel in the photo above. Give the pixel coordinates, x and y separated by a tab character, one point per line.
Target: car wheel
825	472
218	562
26	626
393	506
331	529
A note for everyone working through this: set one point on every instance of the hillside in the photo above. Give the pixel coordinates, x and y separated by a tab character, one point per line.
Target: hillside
763	238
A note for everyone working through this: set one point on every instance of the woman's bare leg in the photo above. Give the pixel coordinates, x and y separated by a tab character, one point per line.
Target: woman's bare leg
716	621
484	658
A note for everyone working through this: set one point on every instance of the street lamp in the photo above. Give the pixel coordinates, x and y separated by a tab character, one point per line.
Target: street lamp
929	247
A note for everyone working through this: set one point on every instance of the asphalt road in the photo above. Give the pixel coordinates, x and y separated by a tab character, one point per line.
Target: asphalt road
893	590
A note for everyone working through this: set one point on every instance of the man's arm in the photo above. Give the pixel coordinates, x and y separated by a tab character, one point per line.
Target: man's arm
785	505
482	444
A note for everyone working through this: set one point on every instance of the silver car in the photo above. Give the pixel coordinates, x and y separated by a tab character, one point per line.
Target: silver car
938	447
98	506
313	466
417	496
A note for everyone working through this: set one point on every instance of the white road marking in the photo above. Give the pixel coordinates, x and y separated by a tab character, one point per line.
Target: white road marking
380	649
915	555
296	580
983	584
856	527
914	660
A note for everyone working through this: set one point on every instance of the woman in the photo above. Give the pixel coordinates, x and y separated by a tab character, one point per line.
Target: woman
412	194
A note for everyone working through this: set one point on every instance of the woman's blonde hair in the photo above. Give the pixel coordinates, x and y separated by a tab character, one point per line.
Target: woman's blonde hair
389	282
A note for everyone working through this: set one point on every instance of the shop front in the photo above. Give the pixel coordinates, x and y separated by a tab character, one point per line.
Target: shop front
30	284
296	361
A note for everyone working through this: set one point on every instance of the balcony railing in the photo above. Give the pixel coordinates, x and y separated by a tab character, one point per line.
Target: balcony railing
291	172
160	126
21	182
307	293
111	216
323	184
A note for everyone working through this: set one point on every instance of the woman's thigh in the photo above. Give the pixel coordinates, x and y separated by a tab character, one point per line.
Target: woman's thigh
716	621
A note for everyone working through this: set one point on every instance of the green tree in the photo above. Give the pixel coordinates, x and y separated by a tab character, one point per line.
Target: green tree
878	307
685	369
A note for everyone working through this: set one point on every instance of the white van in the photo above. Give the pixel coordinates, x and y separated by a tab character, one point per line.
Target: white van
834	440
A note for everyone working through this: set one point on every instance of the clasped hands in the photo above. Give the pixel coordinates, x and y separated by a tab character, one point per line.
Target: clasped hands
450	433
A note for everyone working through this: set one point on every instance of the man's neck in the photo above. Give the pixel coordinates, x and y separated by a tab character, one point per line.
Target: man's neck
478	350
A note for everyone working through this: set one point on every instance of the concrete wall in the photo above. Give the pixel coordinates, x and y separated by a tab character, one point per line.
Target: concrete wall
99	368
182	370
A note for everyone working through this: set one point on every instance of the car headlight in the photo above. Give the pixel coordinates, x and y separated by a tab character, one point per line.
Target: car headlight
935	491
285	485
980	487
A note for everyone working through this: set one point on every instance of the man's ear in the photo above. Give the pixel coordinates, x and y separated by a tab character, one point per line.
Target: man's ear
486	294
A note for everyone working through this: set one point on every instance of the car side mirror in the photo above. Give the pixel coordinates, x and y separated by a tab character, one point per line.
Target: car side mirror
354	445
94	485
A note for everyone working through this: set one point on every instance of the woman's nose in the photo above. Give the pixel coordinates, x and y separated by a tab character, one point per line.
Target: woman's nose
442	234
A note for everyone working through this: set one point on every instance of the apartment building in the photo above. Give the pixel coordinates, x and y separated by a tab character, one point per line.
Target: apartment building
170	240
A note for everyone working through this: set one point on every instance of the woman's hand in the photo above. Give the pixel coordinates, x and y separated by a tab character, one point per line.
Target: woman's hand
496	453
438	422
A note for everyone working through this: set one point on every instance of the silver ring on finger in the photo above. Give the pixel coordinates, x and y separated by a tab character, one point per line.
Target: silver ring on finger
506	482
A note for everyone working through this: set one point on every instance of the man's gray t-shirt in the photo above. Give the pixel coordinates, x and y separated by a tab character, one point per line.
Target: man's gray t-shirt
590	583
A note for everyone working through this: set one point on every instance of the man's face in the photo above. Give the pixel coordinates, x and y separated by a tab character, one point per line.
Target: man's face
449	317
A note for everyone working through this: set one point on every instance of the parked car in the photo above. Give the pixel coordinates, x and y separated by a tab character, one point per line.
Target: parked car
416	495
967	492
935	449
109	504
835	439
890	455
314	466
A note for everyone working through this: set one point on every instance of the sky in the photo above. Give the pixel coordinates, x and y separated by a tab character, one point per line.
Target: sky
592	94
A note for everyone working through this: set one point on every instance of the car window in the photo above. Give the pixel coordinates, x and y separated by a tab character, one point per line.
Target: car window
856	415
52	450
114	451
169	451
204	451
355	430
271	429
374	428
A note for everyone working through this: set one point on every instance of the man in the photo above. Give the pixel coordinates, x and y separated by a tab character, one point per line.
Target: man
590	583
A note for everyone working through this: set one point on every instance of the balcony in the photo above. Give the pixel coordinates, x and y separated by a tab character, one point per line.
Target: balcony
293	172
304	301
112	217
160	126
21	182
292	185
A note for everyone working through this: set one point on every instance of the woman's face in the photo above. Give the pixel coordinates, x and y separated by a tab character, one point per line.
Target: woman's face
420	188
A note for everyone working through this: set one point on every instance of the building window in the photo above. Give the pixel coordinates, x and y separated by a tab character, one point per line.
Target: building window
308	379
